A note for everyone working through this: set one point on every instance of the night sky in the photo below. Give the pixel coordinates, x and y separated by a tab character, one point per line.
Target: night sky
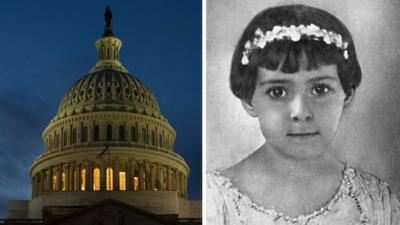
48	45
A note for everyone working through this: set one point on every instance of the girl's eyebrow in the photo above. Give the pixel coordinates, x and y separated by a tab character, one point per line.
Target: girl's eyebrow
316	79
274	81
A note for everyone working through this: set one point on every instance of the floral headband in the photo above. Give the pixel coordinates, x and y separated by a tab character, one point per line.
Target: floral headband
293	33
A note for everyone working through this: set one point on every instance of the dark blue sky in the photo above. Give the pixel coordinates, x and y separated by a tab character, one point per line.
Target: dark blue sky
47	45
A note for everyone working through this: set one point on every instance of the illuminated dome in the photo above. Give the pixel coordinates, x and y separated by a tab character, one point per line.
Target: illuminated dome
108	90
109	140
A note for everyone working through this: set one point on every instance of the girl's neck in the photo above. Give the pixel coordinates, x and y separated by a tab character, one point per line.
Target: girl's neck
271	159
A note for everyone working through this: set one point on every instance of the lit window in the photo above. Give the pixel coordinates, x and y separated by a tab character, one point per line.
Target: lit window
109	176
54	183
122	181
83	179
96	179
63	182
135	183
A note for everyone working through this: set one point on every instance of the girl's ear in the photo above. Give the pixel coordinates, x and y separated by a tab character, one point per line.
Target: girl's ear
349	97
248	106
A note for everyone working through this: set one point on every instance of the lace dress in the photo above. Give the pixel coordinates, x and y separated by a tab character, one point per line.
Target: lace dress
360	199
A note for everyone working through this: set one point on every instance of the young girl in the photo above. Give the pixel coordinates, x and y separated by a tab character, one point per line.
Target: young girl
295	69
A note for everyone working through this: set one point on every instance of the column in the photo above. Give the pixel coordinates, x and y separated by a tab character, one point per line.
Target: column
35	185
141	177
103	176
130	173
66	175
147	175
152	177
71	180
41	182
185	186
174	180
33	181
59	172
77	177
116	168
160	175
169	179
50	179
88	175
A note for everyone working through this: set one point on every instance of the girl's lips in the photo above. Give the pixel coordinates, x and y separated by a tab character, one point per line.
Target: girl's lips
305	134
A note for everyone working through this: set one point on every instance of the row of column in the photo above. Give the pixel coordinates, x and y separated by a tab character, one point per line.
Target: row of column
133	133
140	175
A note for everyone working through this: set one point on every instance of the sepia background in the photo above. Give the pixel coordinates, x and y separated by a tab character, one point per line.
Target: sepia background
369	136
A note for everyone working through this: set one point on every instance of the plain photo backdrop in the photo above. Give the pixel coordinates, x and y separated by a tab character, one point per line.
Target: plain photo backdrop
369	134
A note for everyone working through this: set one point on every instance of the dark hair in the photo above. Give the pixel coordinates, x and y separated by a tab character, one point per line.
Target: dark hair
286	54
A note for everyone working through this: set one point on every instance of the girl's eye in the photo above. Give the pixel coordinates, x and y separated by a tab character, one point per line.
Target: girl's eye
320	89
277	92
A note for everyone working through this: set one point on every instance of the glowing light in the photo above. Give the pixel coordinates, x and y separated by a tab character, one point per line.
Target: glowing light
135	183
122	181
54	183
63	188
96	179
83	179
109	172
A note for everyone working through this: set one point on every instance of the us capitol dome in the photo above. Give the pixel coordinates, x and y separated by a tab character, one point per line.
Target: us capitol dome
108	140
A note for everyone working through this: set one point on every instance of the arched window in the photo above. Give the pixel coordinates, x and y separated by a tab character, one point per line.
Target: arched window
96	132
153	138
158	185
160	140
167	143
144	136
84	137
50	143
96	179
165	183
83	179
57	140
122	180
133	134
65	138
109	132
54	188
63	186
74	134
136	181
109	180
121	133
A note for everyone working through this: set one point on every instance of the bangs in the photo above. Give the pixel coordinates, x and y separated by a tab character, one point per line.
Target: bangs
286	55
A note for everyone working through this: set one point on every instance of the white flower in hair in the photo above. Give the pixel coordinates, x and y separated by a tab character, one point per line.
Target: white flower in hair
293	33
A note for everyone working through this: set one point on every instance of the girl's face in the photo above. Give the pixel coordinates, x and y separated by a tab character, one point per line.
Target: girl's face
299	113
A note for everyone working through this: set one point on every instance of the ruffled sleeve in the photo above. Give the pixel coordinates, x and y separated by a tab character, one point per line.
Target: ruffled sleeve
395	210
383	203
216	207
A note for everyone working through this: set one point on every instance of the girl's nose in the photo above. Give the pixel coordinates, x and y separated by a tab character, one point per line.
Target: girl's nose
300	110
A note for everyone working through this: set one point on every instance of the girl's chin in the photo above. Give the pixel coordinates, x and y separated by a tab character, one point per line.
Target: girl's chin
302	151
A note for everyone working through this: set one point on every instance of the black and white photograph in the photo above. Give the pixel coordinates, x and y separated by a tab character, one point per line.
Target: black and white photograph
302	112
